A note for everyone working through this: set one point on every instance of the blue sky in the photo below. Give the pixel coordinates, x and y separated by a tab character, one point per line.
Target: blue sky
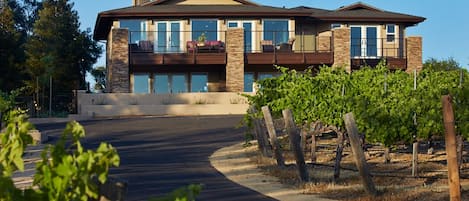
445	32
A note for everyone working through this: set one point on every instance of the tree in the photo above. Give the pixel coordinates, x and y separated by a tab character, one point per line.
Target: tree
57	49
99	74
12	37
441	65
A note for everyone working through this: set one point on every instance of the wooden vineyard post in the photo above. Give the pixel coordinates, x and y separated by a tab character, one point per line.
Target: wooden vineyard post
294	135
313	147
450	144
359	156
273	136
415	156
262	141
338	155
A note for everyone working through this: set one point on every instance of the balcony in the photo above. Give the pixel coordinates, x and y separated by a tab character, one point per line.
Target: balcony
179	48
369	52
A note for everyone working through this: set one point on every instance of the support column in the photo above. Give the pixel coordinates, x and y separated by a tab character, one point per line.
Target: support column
235	60
341	48
414	53
118	80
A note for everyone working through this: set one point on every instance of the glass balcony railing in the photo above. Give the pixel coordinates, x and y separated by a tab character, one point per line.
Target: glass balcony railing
215	42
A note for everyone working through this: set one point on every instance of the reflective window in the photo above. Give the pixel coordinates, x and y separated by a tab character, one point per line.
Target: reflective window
266	75
141	84
390	32
199	82
248	82
232	24
137	29
276	31
161	84
204	27
178	83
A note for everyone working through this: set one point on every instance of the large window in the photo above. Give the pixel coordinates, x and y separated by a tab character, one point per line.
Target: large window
199	82
141	84
276	31
137	29
207	27
166	83
248	82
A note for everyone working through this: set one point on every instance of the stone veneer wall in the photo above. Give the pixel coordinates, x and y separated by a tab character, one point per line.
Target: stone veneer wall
324	43
414	53
235	60
341	48
118	64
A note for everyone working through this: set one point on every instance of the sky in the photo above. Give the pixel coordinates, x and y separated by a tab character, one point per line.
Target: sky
445	32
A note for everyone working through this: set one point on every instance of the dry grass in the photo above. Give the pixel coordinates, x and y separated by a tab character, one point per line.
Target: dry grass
393	180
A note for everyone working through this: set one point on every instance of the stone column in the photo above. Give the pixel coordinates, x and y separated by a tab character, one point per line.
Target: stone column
118	62
341	48
414	53
235	60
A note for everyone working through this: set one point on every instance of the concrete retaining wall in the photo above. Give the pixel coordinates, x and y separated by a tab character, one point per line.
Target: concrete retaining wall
128	104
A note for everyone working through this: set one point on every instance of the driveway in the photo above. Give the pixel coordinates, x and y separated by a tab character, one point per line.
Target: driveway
159	154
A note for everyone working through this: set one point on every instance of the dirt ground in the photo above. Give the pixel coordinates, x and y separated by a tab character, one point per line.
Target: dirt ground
393	180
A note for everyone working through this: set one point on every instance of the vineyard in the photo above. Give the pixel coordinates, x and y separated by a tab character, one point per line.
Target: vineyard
393	111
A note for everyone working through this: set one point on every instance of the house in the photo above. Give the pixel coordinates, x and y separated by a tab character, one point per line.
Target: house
178	46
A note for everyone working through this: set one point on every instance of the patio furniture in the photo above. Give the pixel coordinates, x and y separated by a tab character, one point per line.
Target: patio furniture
267	46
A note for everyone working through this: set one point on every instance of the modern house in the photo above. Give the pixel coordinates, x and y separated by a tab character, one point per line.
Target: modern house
177	46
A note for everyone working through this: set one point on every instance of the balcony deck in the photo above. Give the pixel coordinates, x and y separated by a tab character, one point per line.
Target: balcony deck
284	58
152	59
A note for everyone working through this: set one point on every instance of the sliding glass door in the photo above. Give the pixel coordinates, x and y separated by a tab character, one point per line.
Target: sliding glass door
248	33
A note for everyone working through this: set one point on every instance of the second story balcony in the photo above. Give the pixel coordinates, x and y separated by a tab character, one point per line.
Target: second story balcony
149	48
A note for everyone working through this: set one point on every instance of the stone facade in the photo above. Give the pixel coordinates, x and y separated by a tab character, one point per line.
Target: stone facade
341	48
118	79
324	43
414	53
235	60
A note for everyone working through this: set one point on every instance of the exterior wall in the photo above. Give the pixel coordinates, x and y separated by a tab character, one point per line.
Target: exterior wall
128	104
324	37
118	62
341	42
392	49
235	60
414	53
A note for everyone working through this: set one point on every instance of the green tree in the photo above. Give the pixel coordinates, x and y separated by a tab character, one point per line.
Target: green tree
433	64
59	49
12	37
99	74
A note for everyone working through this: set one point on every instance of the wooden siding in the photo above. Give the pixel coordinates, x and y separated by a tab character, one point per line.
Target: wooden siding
289	58
151	59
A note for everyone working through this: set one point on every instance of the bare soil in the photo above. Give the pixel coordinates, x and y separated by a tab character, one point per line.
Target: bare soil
393	180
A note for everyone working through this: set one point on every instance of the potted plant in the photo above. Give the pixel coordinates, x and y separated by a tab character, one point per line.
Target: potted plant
201	39
98	87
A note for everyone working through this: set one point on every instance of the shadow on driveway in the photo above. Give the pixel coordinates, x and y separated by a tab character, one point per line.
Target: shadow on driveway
160	154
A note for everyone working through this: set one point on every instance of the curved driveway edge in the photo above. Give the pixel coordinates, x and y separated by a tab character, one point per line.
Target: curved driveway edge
233	162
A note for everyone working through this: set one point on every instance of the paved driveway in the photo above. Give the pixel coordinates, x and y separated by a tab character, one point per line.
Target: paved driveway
159	154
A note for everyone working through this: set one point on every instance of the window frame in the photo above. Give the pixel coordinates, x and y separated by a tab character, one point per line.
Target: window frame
390	36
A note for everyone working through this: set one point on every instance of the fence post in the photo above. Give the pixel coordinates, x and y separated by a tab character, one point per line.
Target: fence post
450	144
294	134
359	156
415	156
262	142
338	155
273	136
